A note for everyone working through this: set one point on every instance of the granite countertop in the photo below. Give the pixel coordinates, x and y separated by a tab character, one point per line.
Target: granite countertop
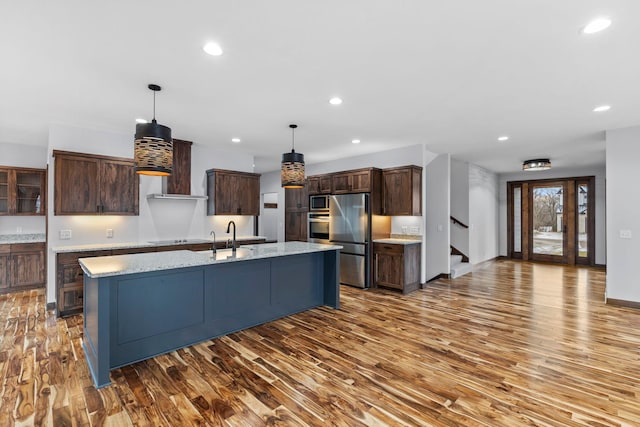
22	238
116	265
396	241
149	244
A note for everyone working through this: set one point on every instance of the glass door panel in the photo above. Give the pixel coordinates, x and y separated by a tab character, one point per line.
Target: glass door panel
28	192
4	192
547	221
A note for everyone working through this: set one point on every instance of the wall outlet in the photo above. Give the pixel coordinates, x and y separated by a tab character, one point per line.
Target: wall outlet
65	234
414	230
19	230
625	234
110	233
440	227
404	229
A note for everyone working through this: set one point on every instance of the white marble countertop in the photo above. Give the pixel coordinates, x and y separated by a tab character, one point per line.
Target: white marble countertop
149	244
22	238
116	265
393	241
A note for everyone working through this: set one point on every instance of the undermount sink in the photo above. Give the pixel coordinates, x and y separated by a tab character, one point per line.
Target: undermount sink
228	253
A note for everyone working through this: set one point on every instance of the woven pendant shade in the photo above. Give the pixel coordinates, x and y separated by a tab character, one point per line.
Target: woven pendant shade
292	166
153	146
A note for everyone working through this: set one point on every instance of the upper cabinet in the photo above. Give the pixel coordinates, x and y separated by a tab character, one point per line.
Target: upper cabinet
319	184
233	193
402	191
22	191
179	182
87	184
356	181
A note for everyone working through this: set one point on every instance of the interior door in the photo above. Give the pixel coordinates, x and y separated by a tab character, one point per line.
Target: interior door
548	225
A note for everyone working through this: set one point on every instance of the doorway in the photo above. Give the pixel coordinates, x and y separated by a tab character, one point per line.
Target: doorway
552	220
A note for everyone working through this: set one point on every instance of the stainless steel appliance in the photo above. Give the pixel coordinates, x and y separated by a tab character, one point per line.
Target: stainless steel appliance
318	227
350	227
319	203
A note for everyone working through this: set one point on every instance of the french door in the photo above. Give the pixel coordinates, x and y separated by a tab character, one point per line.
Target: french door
552	220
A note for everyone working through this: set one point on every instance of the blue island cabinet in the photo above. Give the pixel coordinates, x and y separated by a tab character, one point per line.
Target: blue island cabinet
132	317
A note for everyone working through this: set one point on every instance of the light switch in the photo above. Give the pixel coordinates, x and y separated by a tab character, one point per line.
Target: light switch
625	234
440	227
109	233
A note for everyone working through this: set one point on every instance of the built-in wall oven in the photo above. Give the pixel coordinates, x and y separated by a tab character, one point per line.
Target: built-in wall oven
318	227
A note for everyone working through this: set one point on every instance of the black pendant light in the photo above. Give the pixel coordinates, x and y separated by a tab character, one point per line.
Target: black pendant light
292	168
153	149
536	165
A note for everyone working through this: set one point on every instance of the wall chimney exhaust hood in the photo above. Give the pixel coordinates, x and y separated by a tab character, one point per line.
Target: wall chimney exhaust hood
177	186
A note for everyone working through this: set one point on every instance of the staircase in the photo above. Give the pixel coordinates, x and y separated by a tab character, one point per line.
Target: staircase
459	268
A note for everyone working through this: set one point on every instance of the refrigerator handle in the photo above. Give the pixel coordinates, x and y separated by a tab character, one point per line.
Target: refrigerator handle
366	203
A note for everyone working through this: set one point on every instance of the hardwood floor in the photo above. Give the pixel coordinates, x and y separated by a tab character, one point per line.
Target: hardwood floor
513	343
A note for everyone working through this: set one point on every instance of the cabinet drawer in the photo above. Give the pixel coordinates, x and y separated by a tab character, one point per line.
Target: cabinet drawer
389	248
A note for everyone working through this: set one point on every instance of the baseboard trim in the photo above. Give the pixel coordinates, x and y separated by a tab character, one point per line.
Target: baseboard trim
623	303
439	276
51	306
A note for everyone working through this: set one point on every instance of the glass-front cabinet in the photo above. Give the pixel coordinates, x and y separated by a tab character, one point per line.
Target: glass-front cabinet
22	191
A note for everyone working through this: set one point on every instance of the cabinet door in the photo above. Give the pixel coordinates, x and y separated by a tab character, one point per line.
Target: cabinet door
295	227
4	266
4	191
119	187
226	191
76	185
402	191
30	192
361	182
233	193
324	184
296	199
388	265
341	183
313	185
27	265
249	195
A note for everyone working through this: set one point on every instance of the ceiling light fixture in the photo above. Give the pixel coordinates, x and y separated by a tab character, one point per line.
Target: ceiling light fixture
503	138
153	146
602	108
596	25
536	165
355	141
141	121
335	101
235	140
292	167
212	49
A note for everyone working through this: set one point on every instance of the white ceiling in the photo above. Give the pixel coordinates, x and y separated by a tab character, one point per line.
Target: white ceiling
453	74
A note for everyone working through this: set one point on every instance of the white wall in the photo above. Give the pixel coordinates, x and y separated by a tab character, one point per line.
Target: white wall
158	219
437	215
623	205
460	205
601	197
270	183
24	156
483	214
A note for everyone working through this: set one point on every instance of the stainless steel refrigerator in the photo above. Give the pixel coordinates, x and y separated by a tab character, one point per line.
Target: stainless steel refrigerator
350	227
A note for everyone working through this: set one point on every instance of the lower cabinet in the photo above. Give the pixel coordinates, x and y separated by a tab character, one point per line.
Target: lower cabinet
397	266
295	227
22	266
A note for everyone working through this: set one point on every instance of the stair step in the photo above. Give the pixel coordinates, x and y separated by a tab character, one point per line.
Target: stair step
456	259
460	269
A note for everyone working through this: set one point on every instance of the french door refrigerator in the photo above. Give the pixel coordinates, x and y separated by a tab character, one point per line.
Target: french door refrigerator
350	227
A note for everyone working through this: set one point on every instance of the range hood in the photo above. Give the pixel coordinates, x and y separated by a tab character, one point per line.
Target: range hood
178	185
176	196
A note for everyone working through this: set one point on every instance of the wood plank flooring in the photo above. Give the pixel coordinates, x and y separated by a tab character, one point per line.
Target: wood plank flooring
513	343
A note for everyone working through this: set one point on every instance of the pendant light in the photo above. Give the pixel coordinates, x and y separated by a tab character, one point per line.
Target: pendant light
292	168
153	149
536	165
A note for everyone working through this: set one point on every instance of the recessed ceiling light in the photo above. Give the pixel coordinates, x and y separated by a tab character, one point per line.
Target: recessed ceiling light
235	140
503	138
602	108
213	49
355	141
141	121
335	101
596	25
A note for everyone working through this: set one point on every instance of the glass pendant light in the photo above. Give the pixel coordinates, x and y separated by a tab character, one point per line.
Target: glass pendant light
292	167
153	149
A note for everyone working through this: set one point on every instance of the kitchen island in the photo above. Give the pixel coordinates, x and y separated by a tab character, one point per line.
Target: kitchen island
142	305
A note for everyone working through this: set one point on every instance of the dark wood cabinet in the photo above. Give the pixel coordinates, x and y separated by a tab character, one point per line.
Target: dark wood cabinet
296	208
319	184
233	193
402	191
22	266
88	184
23	191
356	181
397	266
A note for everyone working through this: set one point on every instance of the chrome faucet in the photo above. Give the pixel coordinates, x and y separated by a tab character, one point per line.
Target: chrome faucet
213	246
233	250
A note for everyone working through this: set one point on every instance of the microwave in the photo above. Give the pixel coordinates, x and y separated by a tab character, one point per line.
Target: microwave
319	203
